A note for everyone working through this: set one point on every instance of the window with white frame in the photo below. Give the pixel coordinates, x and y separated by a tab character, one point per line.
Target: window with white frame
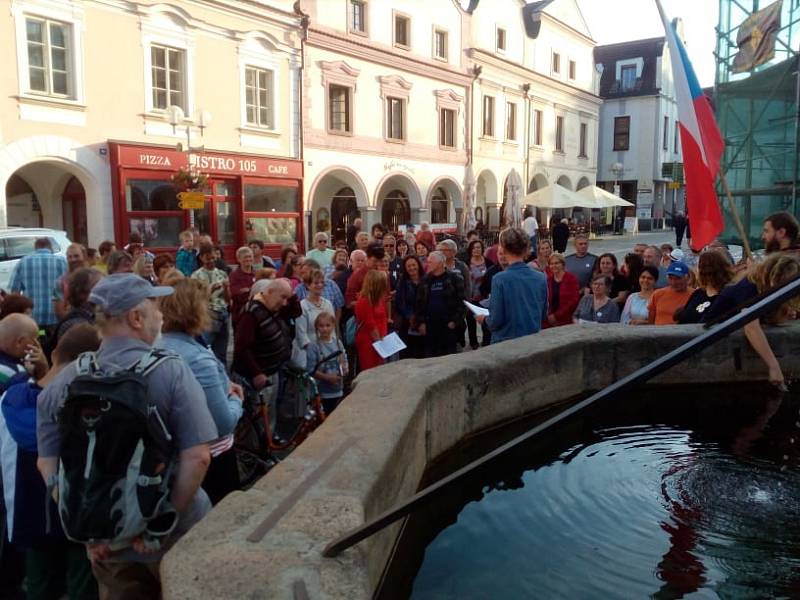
488	116
339	109
511	121
628	76
501	39
447	128
358	16
583	151
556	63
168	66
665	139
395	118
402	30
559	134
440	44
49	48
259	87
573	69
675	147
538	124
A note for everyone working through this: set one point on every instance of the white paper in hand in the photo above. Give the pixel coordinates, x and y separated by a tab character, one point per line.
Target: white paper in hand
477	310
391	344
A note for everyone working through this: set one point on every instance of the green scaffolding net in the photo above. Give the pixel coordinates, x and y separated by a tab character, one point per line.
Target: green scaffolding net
757	112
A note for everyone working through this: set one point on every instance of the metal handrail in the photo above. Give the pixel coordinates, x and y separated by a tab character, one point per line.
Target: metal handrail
693	346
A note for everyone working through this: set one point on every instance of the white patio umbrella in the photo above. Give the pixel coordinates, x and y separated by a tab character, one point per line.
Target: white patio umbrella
557	196
602	198
468	220
513	213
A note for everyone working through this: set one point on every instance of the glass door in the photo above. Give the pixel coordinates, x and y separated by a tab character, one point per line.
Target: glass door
224	216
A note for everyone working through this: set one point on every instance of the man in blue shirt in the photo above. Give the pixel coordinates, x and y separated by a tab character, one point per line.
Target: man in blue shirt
518	303
35	276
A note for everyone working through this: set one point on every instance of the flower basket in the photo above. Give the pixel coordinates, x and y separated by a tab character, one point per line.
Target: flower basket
189	178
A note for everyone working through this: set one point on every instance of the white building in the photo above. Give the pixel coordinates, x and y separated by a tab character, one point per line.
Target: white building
85	144
639	140
536	111
384	105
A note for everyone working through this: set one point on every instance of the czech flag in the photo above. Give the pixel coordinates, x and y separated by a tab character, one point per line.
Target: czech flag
701	142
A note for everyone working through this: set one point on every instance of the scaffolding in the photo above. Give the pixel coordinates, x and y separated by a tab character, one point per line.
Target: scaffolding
757	112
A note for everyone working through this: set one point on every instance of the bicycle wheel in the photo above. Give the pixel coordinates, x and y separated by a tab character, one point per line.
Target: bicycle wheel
250	449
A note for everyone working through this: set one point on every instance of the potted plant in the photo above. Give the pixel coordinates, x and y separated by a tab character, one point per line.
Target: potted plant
189	178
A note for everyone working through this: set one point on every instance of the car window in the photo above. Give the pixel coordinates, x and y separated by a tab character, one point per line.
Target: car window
17	247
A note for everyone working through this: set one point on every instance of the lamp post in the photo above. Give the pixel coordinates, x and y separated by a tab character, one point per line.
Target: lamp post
618	169
175	116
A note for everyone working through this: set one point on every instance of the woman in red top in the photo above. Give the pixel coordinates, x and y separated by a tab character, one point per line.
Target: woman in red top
563	293
371	318
241	280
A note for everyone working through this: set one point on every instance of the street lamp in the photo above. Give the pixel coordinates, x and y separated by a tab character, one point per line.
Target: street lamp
175	116
618	169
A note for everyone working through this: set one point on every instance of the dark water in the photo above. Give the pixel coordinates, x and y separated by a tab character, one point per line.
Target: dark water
664	494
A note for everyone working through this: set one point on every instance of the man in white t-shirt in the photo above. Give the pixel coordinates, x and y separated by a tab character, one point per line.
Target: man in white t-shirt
531	227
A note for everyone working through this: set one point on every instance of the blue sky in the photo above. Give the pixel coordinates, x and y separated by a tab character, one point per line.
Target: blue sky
612	21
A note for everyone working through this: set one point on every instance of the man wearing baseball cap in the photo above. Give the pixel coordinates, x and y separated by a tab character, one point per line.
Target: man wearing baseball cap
132	323
666	301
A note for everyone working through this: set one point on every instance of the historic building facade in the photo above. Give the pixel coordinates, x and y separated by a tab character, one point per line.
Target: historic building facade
536	114
639	140
384	106
90	135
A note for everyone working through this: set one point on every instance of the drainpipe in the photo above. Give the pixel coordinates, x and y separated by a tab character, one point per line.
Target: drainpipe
476	72
304	22
526	87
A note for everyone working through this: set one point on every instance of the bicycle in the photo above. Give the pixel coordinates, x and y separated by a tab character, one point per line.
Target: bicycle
255	442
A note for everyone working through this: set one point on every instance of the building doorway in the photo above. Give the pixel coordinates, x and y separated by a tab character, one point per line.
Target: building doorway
22	205
396	210
73	211
344	210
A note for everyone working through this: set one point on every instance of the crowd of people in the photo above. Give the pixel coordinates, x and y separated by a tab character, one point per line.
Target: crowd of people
125	306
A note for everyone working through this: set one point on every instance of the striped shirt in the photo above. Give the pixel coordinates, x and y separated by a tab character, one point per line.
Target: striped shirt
35	276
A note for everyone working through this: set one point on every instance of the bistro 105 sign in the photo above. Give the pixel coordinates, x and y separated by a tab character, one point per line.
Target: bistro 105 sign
210	163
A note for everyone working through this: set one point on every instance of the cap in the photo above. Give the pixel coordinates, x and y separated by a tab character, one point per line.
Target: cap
676	255
678	269
121	292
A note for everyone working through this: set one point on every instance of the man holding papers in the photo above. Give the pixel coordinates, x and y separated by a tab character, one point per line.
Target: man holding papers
518	303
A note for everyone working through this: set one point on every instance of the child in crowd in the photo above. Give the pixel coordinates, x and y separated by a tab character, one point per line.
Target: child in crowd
330	374
219	300
186	257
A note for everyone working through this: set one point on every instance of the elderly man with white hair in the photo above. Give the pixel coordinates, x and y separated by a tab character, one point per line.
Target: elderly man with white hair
440	306
322	252
263	340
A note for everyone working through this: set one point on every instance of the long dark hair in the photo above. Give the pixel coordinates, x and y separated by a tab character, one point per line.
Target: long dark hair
472	245
596	270
404	272
635	265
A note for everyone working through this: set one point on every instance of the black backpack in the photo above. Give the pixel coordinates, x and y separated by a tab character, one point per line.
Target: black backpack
116	460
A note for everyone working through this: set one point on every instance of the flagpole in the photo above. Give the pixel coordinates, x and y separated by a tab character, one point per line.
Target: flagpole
735	212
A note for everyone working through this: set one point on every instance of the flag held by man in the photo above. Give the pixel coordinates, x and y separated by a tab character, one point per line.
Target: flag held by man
701	142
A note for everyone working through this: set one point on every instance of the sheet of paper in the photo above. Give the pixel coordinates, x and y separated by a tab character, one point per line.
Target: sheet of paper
389	345
477	310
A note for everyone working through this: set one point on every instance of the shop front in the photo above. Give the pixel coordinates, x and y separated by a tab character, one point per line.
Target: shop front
246	197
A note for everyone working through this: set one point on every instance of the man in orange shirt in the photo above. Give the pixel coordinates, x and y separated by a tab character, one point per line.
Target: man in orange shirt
665	302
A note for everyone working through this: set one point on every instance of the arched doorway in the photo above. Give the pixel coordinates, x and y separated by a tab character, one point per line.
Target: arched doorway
396	210
22	206
73	210
344	210
440	206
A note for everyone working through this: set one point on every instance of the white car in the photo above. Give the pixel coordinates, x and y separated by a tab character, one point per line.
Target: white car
16	242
